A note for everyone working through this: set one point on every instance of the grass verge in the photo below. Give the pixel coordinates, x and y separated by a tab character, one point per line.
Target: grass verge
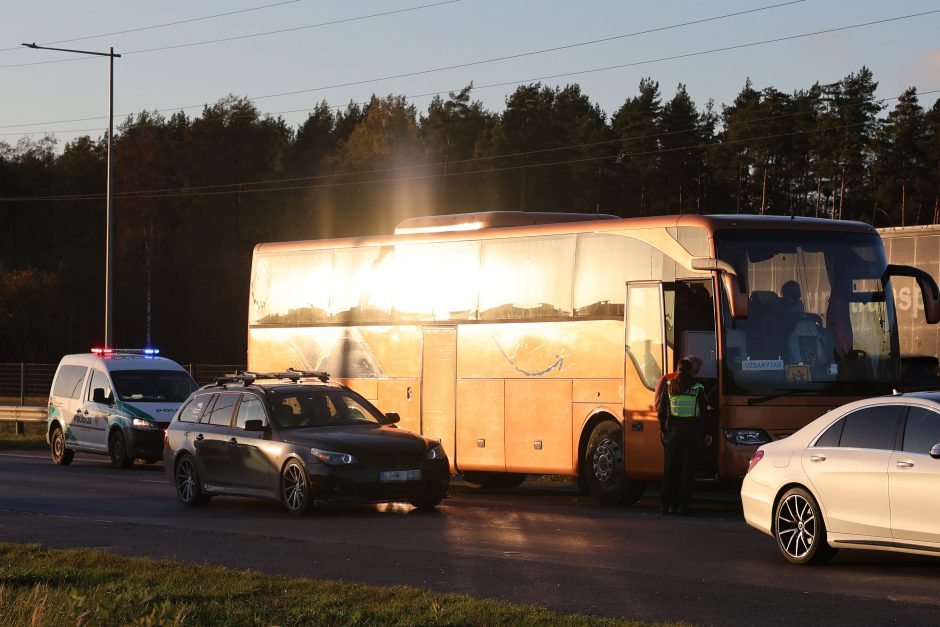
43	586
34	438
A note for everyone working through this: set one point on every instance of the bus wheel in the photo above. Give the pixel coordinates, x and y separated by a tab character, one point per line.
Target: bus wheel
603	467
60	454
495	480
117	447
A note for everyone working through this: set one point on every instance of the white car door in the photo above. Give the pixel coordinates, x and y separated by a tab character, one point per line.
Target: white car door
914	479
66	399
851	478
97	416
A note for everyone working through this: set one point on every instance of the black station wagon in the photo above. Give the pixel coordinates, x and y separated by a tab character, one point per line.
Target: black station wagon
299	438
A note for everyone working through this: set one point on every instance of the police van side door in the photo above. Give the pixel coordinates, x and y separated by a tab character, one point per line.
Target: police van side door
97	415
65	403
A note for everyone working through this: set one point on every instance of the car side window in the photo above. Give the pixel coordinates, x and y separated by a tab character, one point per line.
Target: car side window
922	430
99	380
872	427
194	408
832	435
223	409
251	408
68	383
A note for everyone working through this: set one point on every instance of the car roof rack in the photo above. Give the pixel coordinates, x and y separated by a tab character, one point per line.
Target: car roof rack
291	374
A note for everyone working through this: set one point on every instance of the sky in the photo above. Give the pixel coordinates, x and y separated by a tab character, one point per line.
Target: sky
348	51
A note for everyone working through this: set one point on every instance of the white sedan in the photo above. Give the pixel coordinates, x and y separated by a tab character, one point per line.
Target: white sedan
863	476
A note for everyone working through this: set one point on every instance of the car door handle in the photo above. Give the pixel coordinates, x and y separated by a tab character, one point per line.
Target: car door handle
905	464
233	442
817	458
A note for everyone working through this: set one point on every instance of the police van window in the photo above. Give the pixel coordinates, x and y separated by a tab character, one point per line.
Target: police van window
193	410
250	409
872	428
223	409
99	380
832	435
68	384
922	431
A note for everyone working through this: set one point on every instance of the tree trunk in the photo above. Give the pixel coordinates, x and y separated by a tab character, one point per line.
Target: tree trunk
763	193
903	202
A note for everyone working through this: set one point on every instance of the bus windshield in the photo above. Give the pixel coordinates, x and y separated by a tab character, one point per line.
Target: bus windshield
819	321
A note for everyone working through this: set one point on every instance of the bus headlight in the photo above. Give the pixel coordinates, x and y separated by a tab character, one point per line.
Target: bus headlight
751	437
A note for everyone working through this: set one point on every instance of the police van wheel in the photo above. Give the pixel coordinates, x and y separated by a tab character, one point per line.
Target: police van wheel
117	447
603	467
60	454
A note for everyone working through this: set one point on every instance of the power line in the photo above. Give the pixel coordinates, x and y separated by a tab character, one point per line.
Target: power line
238	37
468	64
163	25
539	78
240	188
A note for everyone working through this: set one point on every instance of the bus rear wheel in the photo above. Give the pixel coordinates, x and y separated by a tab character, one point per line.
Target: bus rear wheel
603	467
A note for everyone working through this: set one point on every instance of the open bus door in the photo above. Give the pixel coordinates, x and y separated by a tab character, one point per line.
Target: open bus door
664	322
644	361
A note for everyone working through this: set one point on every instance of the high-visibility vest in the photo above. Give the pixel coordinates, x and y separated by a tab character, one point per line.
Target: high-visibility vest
685	405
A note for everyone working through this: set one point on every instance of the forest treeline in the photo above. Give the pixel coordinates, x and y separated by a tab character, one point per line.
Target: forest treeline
193	195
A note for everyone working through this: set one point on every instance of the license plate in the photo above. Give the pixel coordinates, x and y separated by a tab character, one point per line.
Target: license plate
397	476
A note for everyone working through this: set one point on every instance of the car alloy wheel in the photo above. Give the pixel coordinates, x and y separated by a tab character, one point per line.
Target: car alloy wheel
800	529
295	488
188	484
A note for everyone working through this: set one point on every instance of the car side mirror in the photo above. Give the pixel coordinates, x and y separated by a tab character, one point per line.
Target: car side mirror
98	396
254	425
392	417
935	451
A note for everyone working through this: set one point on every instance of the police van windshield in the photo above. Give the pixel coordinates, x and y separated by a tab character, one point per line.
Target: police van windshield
819	319
153	386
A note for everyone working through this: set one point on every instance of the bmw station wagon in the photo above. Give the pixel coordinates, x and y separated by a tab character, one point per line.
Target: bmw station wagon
296	437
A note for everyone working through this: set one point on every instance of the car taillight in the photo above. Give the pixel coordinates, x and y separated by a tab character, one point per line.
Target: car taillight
759	455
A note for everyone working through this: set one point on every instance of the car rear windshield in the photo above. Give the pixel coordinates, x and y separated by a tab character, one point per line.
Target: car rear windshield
298	409
153	386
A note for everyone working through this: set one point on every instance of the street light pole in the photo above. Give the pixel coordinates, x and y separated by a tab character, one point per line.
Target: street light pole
109	205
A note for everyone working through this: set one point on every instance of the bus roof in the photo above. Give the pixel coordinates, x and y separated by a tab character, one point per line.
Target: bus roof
711	223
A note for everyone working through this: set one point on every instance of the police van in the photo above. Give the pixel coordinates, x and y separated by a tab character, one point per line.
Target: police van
115	402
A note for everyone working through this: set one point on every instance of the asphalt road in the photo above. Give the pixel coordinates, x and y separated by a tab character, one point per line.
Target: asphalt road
541	545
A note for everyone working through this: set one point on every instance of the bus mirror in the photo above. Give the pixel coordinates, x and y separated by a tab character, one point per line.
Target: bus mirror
928	288
736	292
737	300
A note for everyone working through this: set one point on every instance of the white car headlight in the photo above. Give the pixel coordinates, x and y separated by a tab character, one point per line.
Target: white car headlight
436	452
141	423
333	458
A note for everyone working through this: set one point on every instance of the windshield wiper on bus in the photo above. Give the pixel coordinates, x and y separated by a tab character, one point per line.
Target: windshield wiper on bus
781	393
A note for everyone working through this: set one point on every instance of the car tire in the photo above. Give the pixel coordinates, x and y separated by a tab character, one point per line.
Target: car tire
61	454
188	482
426	504
495	480
603	467
296	492
117	448
800	530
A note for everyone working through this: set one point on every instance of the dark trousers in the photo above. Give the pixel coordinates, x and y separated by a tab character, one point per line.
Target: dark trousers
685	441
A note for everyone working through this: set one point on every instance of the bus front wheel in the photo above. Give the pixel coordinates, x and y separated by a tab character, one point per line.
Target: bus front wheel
603	467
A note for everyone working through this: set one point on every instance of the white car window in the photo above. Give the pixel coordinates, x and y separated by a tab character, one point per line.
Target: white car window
872	428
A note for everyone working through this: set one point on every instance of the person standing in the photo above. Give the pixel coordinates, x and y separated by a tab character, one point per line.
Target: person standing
683	410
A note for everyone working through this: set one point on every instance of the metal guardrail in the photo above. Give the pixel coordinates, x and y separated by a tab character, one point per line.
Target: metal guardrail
20	415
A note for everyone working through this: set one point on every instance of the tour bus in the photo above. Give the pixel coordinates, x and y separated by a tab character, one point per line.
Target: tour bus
532	343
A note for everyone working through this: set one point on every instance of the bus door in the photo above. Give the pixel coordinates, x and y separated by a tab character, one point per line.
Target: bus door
690	330
644	361
438	386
